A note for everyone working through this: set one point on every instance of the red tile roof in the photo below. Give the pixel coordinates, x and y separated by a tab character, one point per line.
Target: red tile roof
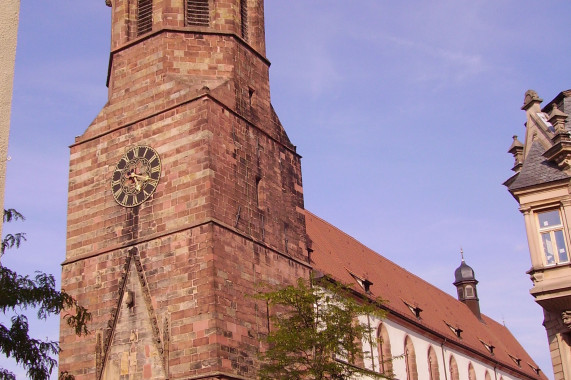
336	254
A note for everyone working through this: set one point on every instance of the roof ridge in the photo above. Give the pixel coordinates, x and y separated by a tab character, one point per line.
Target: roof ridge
390	261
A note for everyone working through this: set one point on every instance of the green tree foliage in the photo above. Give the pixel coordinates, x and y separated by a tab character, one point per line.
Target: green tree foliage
20	293
315	332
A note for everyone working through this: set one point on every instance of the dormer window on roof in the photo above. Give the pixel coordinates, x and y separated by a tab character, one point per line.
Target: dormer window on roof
515	360
534	368
456	330
362	281
488	346
413	309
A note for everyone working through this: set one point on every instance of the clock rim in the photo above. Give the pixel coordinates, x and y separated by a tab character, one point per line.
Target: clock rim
124	156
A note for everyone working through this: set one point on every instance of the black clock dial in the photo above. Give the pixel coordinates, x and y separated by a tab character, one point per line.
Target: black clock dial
136	176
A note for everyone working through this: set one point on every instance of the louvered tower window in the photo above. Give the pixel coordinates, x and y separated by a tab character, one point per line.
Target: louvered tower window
197	12
244	18
144	16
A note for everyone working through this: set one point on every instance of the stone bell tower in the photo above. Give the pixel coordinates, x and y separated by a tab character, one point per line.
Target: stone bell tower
184	194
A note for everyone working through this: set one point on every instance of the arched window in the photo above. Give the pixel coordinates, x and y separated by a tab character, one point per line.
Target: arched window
453	369
357	360
471	372
410	360
384	347
433	372
487	376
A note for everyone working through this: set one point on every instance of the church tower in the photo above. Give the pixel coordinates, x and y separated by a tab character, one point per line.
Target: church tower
185	193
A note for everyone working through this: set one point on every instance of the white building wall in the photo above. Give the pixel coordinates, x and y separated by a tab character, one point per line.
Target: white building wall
397	335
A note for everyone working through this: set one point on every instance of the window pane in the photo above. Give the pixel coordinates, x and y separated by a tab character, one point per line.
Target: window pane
469	291
549	219
548	248
561	249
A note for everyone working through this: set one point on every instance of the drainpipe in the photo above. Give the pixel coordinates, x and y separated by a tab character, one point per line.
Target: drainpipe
444	360
371	343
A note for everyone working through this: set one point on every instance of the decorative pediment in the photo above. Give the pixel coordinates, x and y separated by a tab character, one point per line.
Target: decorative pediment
560	152
132	344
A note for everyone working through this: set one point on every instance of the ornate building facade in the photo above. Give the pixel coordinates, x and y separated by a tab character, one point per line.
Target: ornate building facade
541	187
185	193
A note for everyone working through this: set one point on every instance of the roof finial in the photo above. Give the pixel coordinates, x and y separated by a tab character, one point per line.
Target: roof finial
462	254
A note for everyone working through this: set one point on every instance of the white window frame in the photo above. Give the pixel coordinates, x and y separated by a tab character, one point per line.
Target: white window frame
551	230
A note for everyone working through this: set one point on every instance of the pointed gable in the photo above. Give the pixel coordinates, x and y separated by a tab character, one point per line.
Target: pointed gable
536	169
542	141
132	344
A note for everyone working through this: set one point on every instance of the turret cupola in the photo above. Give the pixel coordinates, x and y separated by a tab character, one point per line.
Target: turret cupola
465	282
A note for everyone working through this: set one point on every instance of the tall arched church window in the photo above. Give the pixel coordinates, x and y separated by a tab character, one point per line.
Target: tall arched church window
198	12
410	359
433	372
244	19
454	375
357	360
487	376
144	16
471	372
384	347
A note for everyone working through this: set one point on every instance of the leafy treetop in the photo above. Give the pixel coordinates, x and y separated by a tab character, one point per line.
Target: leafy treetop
316	333
20	293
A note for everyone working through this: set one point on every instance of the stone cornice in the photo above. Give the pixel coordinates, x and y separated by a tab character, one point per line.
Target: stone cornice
206	221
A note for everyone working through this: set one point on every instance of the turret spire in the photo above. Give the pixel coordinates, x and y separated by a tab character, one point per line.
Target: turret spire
465	282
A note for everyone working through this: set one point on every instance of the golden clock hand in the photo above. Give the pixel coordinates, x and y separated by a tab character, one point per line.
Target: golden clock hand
134	176
143	177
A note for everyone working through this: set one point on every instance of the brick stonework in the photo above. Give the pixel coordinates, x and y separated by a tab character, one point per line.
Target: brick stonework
167	281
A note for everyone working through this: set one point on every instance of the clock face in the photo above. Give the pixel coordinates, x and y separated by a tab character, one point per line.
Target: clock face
136	176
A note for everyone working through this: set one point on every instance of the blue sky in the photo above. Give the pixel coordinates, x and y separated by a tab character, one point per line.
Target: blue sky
403	113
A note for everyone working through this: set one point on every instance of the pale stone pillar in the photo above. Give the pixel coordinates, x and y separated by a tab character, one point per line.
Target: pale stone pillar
9	15
532	240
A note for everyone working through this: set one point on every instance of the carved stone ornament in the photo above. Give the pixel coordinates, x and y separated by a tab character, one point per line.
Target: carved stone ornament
530	98
129	299
108	3
566	318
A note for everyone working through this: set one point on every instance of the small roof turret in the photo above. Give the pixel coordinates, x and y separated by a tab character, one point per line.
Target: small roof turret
464	272
465	283
517	150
